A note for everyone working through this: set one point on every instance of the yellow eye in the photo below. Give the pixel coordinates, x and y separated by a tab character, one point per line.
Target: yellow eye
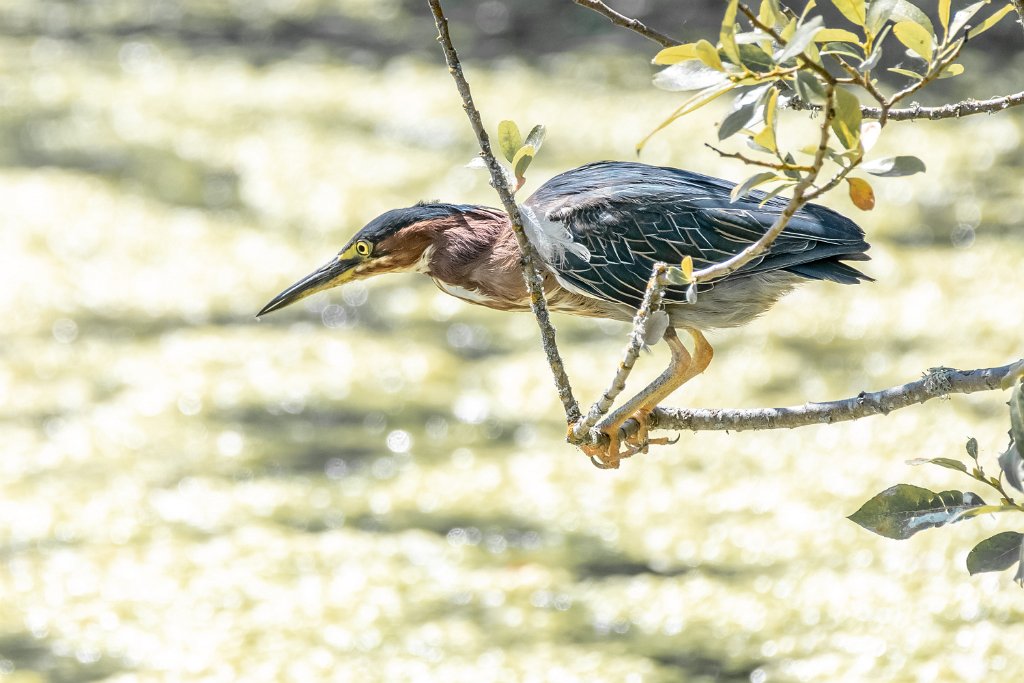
363	248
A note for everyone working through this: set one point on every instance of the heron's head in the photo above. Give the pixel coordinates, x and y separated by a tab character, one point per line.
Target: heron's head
396	241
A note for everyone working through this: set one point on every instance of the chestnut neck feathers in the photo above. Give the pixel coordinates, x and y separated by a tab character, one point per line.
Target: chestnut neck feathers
475	250
472	254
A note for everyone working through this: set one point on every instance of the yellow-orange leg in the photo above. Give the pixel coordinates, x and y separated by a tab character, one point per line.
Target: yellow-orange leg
682	368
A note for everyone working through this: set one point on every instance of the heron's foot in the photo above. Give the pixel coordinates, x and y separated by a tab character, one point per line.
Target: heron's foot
607	456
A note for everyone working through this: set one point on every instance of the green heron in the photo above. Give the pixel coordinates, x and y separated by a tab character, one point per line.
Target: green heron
599	230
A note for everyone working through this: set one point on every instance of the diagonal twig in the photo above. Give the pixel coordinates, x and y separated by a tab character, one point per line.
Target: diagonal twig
622	20
534	281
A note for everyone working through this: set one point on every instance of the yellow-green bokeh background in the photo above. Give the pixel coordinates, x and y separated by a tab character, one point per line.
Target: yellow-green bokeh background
373	486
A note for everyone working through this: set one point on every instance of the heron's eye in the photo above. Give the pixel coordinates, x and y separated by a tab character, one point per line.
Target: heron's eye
363	248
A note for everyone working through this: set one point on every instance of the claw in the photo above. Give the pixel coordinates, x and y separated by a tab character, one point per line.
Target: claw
608	457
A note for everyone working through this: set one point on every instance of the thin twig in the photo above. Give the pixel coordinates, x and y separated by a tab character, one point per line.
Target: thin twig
933	73
637	338
731	265
758	162
534	281
627	22
937	383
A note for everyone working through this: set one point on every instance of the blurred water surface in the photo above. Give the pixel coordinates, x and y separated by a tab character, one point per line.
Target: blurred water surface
373	486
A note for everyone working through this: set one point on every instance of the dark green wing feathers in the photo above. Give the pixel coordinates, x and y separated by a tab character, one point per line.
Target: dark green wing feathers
629	216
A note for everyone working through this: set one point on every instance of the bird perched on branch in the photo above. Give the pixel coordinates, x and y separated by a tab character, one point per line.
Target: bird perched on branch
599	230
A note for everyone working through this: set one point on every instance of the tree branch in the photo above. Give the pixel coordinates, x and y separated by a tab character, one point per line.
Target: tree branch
637	338
534	281
627	22
936	383
947	111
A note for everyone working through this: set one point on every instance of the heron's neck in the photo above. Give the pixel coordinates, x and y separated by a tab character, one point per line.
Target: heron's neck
476	251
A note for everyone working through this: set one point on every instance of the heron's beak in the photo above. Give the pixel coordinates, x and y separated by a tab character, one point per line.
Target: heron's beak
335	272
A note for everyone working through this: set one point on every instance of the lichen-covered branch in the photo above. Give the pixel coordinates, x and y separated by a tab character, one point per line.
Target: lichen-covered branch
534	281
627	22
936	383
947	111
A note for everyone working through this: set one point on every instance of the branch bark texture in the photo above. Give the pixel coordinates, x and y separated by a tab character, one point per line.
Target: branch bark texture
936	383
534	281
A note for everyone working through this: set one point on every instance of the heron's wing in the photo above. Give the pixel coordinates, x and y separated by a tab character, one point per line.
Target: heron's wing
624	217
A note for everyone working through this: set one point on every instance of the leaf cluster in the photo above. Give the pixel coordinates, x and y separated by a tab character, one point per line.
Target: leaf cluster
901	511
775	57
517	151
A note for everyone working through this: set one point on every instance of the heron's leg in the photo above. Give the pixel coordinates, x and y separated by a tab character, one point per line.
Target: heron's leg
682	368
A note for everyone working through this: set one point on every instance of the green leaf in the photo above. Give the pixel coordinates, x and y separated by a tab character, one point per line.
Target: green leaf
688	76
916	38
881	11
997	553
948	463
990	22
852	10
1012	461
903	510
750	183
745	111
727	35
676	54
840	35
846	123
686	265
770	14
775	192
972	448
707	53
876	52
536	137
961	18
869	134
766	138
754	58
906	72
694	103
803	37
811	4
894	167
522	160
1012	464
509	139
952	70
809	88
842	49
1017	413
675	276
